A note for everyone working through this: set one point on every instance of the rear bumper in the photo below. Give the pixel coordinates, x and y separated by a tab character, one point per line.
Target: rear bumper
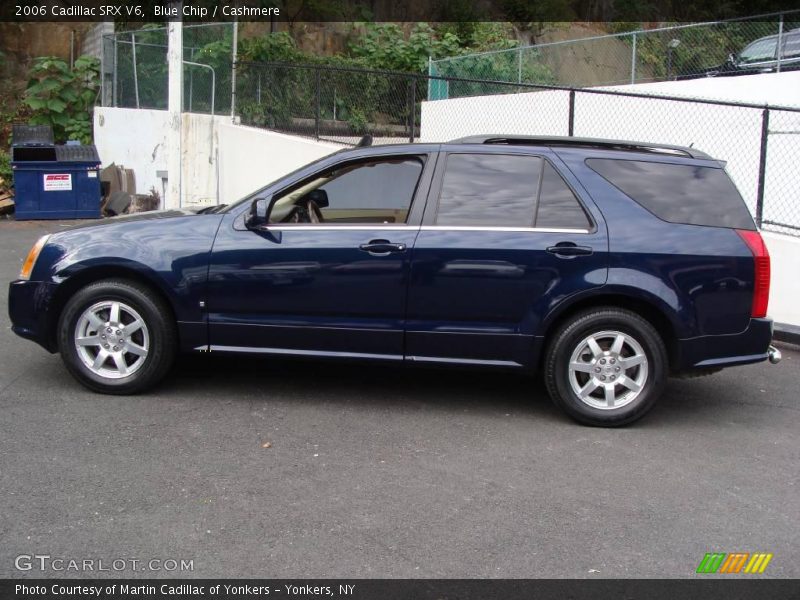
29	309
718	351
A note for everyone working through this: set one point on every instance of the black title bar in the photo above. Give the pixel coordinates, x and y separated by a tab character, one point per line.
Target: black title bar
519	11
422	589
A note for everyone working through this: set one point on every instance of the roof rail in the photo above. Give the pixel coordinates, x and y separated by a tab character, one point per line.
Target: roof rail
566	142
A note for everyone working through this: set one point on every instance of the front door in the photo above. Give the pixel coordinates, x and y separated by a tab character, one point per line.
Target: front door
328	275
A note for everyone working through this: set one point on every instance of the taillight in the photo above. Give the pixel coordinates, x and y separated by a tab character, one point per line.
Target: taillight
757	246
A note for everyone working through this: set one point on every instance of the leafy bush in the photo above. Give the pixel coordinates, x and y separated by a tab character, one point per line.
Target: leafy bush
358	122
276	47
289	92
62	97
384	46
6	174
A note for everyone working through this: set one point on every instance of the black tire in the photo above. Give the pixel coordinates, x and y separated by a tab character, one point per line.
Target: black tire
569	337
160	328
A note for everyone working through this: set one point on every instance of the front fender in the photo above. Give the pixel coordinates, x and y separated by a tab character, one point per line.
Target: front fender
172	254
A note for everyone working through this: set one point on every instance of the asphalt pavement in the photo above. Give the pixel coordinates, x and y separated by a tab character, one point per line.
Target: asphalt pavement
263	468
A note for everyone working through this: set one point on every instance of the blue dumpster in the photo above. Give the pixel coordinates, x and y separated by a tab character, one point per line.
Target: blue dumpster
52	181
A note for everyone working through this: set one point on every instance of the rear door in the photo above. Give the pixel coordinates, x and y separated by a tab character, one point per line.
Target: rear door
505	237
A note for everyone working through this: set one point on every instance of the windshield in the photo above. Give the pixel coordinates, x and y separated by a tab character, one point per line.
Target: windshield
759	50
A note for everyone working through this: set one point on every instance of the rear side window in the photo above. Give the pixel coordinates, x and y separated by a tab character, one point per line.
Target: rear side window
678	193
501	190
558	206
489	190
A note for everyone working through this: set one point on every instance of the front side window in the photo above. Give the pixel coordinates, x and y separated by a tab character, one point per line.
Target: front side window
373	191
759	51
489	190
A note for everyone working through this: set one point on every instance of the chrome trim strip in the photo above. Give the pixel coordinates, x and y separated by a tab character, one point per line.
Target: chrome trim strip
463	361
375	227
498	228
326	354
379	227
293	352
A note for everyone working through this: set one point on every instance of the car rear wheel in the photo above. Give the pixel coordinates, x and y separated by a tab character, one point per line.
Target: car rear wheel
606	367
117	337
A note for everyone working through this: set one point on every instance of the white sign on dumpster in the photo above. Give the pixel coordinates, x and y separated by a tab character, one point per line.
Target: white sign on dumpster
57	182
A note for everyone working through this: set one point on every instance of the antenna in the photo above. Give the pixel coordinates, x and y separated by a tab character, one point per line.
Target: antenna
364	141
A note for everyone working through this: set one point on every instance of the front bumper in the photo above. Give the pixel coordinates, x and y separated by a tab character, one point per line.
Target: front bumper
717	351
29	307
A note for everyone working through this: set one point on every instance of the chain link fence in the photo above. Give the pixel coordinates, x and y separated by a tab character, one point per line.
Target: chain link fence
135	69
766	42
759	144
330	103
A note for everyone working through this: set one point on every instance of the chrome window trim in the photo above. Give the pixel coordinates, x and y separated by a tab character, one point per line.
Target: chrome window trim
375	227
501	228
379	227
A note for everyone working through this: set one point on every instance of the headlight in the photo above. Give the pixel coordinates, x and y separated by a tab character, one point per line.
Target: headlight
30	260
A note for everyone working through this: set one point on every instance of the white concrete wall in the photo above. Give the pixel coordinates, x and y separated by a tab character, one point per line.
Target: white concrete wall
134	139
732	134
250	158
537	113
777	89
220	159
784	253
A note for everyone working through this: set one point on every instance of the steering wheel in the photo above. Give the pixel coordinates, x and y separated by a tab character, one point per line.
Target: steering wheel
305	211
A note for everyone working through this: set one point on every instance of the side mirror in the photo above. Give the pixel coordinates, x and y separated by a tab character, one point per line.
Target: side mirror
258	213
320	198
731	59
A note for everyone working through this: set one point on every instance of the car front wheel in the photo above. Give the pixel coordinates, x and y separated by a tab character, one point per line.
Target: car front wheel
117	337
606	367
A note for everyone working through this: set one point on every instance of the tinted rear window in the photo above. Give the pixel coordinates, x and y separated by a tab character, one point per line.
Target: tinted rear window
558	206
678	193
489	190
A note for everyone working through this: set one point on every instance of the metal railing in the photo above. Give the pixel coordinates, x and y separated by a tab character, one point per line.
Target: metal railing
338	104
134	68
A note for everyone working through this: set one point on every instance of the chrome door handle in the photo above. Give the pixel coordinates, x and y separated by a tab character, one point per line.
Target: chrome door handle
569	250
382	247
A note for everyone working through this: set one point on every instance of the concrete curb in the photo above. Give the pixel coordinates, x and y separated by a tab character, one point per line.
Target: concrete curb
789	334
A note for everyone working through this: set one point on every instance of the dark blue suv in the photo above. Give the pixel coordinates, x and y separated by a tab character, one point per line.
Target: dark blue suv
607	265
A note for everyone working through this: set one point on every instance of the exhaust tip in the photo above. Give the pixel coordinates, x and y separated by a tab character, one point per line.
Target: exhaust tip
774	355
